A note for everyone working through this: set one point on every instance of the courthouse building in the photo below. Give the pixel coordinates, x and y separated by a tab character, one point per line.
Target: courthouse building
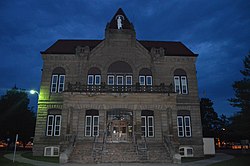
118	99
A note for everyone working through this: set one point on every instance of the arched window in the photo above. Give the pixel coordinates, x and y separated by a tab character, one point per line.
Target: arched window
92	123
147	123
145	77
120	73
57	80
53	122
180	81
94	76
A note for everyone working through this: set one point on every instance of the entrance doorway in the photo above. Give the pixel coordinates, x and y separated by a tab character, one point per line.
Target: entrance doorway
119	125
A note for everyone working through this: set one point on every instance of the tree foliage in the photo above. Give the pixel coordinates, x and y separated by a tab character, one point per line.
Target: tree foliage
15	116
209	118
241	120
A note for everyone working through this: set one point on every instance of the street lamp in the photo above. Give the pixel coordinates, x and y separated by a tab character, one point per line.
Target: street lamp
33	92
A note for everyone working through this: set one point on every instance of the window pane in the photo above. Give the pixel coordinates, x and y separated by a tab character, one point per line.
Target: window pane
177	84
97	80
54	83
119	80
61	83
142	80
110	80
50	124
90	79
95	125
57	125
128	80
150	126
143	126
88	126
56	151
184	84
180	126
149	80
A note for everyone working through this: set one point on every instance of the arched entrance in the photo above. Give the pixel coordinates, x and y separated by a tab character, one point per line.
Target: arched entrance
119	125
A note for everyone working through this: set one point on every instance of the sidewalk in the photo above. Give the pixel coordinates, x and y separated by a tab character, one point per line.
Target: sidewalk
219	157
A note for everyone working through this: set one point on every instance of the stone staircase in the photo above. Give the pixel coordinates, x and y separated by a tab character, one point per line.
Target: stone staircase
157	152
119	153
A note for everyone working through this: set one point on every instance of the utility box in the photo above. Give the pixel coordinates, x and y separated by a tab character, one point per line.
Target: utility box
208	145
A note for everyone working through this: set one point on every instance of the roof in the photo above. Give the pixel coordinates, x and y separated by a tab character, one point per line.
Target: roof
69	47
171	47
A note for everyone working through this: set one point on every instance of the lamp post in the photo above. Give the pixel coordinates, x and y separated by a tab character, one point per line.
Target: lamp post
33	92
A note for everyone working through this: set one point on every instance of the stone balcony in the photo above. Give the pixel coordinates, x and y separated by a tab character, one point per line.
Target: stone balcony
103	88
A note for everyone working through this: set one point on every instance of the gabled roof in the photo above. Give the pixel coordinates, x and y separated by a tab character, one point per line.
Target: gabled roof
69	47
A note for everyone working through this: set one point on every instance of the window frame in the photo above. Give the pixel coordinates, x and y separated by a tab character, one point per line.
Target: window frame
88	125
131	79
96	78
177	84
150	126
184	85
180	126
93	128
51	131
151	80
117	79
92	82
144	132
53	88
111	77
142	80
61	85
57	125
186	128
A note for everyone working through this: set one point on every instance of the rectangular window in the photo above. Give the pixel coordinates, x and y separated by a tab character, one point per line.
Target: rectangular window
51	151
184	84
54	83
57	127
90	79
128	80
111	79
88	125
97	80
142	80
149	80
177	84
50	124
119	80
143	126
187	126
95	125
180	126
61	83
150	126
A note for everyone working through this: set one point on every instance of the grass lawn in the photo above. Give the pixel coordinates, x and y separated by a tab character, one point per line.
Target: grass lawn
239	160
6	162
40	158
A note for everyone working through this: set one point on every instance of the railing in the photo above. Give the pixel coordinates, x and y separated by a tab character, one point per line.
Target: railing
103	88
99	146
141	147
170	145
71	139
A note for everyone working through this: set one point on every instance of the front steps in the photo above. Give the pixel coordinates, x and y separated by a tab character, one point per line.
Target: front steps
119	153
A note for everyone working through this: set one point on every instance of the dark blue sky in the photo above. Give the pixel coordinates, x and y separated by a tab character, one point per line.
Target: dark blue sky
219	31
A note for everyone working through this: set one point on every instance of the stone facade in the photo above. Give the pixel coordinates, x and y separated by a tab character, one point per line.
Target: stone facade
75	58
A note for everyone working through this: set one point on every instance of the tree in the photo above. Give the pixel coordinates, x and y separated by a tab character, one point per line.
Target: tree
241	120
209	118
15	117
